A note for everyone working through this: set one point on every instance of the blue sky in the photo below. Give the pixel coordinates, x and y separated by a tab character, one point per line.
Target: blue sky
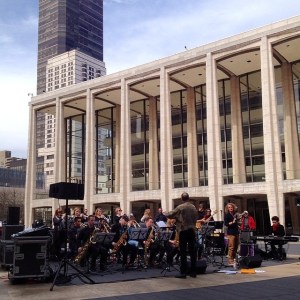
135	32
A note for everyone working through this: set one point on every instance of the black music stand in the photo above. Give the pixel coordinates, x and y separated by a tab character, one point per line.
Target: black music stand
165	236
138	234
105	239
65	262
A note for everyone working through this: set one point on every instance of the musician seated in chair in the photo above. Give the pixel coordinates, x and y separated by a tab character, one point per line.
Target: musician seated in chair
172	246
94	249
72	236
152	247
121	243
277	245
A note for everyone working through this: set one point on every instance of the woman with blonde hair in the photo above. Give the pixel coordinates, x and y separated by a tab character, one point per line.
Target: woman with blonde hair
147	215
231	222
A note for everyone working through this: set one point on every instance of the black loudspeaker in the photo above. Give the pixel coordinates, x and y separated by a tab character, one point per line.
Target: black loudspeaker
201	266
251	261
13	215
67	190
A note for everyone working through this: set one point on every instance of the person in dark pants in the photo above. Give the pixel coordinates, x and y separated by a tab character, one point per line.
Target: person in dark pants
186	215
276	246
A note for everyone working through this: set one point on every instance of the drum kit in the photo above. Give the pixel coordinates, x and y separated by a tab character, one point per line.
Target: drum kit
211	242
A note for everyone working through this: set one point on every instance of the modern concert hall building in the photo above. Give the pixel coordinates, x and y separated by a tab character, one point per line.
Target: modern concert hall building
220	121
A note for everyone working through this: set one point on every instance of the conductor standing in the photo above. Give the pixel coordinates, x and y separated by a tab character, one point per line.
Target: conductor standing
185	215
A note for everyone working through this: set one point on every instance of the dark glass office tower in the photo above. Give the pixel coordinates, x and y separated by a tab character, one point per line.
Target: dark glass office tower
65	25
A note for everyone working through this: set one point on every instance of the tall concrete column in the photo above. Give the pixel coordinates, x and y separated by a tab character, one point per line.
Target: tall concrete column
192	144
153	146
117	147
59	153
60	143
166	151
214	153
272	151
292	155
238	154
31	168
90	151
125	151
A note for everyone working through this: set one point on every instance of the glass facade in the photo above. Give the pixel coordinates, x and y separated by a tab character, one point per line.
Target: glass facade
201	116
139	120
179	138
225	124
75	148
253	137
105	150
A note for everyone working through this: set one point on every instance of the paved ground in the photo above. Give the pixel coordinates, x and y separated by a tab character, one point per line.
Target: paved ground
277	280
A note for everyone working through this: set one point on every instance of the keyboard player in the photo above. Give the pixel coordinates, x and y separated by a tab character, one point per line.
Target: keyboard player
277	230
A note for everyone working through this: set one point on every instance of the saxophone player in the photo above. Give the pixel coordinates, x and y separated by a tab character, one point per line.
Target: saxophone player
121	242
72	236
152	247
95	249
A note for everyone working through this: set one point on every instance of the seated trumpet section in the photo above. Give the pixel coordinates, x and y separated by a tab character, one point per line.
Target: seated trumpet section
97	245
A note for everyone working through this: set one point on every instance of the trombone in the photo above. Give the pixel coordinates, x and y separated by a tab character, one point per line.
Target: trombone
134	223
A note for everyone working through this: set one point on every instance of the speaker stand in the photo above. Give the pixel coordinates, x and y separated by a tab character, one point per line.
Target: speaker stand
64	277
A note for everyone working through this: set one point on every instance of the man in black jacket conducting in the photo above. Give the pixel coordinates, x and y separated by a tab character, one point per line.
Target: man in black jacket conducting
185	215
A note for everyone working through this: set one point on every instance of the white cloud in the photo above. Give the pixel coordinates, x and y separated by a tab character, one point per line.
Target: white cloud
14	113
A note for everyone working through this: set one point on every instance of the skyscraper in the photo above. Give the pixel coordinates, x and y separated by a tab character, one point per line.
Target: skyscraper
70	50
66	25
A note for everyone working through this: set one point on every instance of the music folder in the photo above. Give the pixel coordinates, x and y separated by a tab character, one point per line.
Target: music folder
138	233
104	238
164	236
161	224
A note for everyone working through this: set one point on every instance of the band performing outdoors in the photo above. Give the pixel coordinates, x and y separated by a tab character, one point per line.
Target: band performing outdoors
186	239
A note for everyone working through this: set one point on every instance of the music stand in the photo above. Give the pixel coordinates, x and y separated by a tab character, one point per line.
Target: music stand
138	234
165	236
217	224
104	238
65	262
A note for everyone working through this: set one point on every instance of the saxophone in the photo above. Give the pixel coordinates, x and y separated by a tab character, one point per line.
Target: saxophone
147	245
86	247
121	241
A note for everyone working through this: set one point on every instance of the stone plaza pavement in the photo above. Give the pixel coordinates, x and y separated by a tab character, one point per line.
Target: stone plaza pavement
276	280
